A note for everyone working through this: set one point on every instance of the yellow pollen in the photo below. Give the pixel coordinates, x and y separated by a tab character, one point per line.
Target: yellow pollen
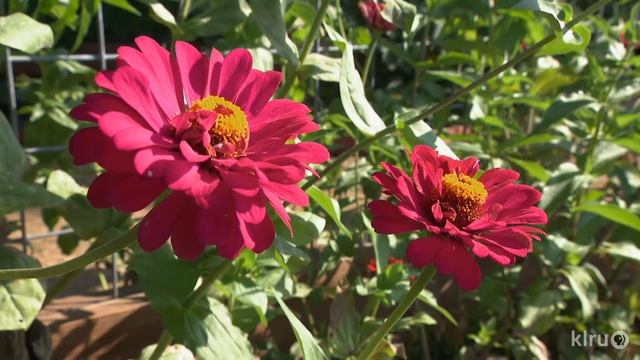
231	125
464	195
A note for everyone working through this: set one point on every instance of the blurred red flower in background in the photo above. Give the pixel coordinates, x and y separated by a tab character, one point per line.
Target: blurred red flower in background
490	215
205	128
372	12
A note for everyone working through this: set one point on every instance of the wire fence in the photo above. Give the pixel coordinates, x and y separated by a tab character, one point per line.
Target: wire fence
102	57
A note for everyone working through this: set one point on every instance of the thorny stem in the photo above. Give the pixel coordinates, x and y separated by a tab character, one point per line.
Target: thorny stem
166	338
458	94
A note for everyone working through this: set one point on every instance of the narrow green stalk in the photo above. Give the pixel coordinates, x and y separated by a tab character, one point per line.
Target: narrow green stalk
166	338
163	343
77	263
184	11
402	307
370	54
529	52
306	48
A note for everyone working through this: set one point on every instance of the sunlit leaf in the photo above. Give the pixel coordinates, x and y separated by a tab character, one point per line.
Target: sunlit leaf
21	32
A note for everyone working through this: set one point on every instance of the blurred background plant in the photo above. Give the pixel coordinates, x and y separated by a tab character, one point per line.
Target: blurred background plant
566	118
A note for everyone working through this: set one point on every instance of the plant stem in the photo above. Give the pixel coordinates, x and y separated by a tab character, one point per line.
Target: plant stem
402	307
306	48
166	338
163	343
370	54
77	263
458	94
184	10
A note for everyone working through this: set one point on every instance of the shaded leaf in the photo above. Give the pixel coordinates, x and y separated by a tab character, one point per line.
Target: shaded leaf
20	300
584	287
268	16
308	343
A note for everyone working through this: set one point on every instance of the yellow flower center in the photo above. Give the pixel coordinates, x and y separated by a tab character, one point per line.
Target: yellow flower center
231	127
464	195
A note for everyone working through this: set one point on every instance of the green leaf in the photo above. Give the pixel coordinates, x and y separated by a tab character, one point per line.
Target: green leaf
206	329
87	221
63	185
401	13
13	160
268	15
247	291
161	14
330	206
20	196
548	8
428	298
354	101
124	5
20	300
173	352
421	133
632	143
460	79
559	110
576	40
310	348
584	287
169	288
560	186
21	32
345	333
538	311
532	168
622	249
88	11
322	67
614	213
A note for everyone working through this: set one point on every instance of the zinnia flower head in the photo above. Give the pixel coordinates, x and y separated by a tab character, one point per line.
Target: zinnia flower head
204	127
489	215
372	12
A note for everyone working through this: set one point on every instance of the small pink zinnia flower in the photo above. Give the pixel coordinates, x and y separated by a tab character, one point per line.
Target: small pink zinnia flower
372	12
489	215
205	128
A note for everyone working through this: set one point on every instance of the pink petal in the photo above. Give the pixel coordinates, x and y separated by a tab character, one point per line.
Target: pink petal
193	67
136	138
235	69
162	75
256	229
133	87
85	145
496	178
155	162
114	122
104	79
422	252
190	154
387	219
258	91
158	224
213	73
133	193
453	258
184	235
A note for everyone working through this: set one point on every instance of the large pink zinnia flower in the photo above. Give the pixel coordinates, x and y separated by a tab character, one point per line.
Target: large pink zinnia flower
490	215
205	128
